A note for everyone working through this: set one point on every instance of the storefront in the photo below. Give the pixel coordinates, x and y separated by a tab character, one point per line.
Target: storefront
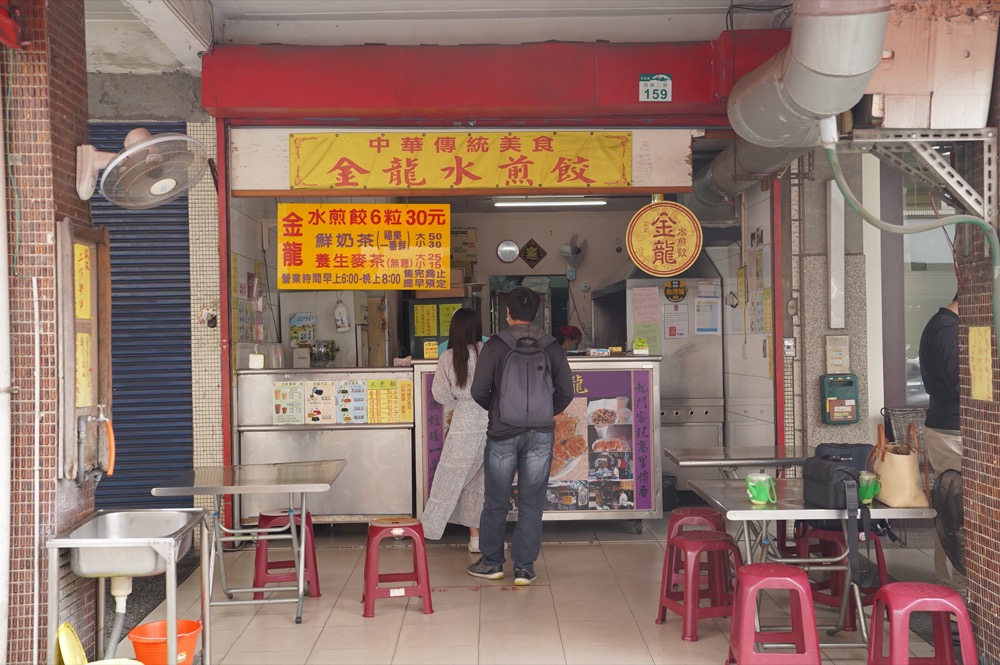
311	179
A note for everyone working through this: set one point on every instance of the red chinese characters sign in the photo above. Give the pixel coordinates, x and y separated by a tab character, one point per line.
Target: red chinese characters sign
664	239
363	246
359	161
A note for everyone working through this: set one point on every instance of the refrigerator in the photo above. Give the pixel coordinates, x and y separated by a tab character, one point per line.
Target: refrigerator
681	317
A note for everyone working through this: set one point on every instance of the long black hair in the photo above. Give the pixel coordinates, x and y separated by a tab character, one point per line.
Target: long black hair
466	330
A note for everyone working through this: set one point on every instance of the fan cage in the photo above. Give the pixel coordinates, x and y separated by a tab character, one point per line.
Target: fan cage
127	181
946	498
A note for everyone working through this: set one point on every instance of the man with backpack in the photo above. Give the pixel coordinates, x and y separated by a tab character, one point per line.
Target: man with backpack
523	380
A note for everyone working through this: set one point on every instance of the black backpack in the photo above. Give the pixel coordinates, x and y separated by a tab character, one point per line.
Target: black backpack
525	398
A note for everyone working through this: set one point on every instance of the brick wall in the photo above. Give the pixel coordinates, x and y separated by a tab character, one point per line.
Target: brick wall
981	436
46	109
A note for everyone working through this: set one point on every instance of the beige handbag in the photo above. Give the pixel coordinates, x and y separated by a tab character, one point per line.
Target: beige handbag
898	470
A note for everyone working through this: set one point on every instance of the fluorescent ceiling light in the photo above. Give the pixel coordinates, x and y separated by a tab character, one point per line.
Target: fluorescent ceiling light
528	202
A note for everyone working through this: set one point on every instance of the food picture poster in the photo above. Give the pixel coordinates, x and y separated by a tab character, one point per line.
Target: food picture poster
602	444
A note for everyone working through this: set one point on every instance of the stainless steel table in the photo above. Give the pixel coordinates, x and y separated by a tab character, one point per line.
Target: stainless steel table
728	459
730	497
297	479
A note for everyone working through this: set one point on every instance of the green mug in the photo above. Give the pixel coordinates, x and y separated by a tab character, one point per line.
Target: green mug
760	488
868	487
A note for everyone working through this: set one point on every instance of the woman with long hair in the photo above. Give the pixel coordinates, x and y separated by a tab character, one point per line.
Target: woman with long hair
457	490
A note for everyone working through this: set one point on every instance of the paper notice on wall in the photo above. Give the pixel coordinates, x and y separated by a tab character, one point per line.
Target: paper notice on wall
425	321
645	302
708	316
709	290
981	363
676	321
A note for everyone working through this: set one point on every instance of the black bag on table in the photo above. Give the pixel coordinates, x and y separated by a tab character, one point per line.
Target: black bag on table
857	455
833	483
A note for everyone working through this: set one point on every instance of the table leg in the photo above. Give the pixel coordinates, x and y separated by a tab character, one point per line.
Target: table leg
298	548
217	518
206	597
172	607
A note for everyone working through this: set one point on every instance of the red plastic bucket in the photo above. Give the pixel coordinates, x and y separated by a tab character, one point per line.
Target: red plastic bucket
150	641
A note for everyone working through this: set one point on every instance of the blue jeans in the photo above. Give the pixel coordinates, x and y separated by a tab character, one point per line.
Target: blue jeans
530	455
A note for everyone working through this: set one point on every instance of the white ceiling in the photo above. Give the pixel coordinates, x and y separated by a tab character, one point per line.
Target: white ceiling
157	36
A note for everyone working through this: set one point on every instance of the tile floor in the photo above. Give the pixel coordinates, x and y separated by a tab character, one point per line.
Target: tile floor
594	601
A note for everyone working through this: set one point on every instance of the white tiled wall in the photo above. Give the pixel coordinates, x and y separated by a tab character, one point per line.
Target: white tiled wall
205	342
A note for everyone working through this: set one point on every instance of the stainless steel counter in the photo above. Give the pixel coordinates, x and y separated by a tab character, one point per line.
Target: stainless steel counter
301	415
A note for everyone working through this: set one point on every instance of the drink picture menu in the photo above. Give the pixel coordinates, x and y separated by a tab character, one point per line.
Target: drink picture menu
287	403
321	403
352	402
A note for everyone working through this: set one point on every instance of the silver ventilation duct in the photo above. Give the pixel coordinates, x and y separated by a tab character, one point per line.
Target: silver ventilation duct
775	109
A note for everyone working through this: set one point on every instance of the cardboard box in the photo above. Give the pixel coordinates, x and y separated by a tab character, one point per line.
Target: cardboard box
456	290
463	245
468	269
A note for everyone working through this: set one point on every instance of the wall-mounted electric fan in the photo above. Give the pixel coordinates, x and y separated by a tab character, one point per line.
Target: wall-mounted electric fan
573	252
150	171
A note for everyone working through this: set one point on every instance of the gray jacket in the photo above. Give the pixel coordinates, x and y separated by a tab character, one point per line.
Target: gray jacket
485	383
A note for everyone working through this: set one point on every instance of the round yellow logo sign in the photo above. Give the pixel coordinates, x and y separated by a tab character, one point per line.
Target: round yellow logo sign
664	238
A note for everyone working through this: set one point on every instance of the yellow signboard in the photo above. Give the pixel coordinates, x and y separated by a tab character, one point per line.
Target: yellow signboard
664	239
81	281
413	160
363	245
981	362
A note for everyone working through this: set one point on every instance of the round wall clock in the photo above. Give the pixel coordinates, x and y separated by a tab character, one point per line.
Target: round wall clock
507	251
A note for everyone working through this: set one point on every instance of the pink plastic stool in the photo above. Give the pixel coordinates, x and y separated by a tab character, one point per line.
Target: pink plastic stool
743	634
682	518
262	567
396	527
900	599
691	544
829	592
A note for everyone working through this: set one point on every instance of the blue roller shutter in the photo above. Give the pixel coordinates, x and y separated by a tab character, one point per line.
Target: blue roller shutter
150	339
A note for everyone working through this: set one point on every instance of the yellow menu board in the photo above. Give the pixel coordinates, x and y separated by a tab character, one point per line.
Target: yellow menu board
383	400
329	246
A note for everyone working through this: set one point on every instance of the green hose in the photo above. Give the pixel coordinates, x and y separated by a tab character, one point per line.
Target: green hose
988	231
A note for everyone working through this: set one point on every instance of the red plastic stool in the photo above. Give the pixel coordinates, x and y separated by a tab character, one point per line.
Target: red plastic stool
830	591
680	518
396	527
694	516
262	567
687	547
900	599
743	634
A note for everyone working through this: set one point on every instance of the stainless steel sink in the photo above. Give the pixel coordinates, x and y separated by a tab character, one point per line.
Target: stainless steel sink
130	543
